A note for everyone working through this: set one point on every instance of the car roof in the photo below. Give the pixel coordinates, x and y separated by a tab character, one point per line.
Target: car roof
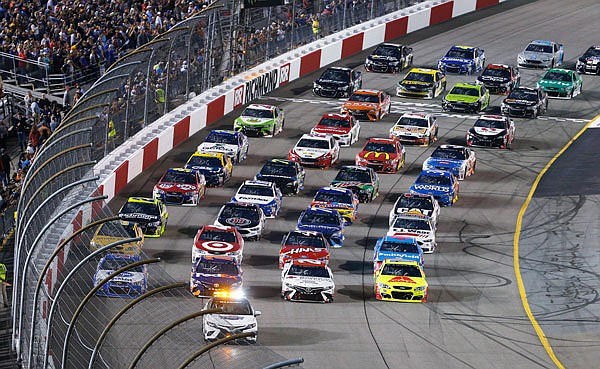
408	194
321	210
532	89
498	66
467	85
261	106
281	161
111	256
366	92
463	47
310	263
493	117
424	70
306	233
436	172
399	239
225	131
145	200
341	68
542	42
180	170
390	44
334	189
415	115
258	183
242	205
211	227
315	137
381	140
559	70
401	262
357	168
455	147
209	154
337	116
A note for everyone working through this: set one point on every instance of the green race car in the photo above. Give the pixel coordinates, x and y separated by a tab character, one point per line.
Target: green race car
260	120
467	97
363	181
561	83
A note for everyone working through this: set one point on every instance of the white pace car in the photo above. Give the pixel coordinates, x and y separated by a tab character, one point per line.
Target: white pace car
307	280
415	225
238	316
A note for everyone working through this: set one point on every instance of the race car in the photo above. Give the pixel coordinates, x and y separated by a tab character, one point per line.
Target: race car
383	155
343	127
466	97
286	174
400	247
370	104
415	203
131	283
218	240
231	143
416	128
211	274
248	219
492	131
180	186
260	120
117	230
422	82
329	222
401	280
236	316
363	181
307	280
589	62
216	167
441	184
525	101
417	225
389	58
337	82
460	160
318	151
462	60
303	245
561	83
341	199
541	54
500	78
150	214
265	194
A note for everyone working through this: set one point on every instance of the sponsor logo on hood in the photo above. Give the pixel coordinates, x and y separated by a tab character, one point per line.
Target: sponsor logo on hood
257	121
456	60
261	200
237	221
310	152
402	279
139	216
429	187
488	131
177	187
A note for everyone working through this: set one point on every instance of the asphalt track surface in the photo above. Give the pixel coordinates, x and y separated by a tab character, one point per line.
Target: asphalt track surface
474	317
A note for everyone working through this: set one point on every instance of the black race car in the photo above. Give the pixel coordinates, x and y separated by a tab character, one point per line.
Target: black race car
500	78
589	62
286	174
525	101
389	58
337	82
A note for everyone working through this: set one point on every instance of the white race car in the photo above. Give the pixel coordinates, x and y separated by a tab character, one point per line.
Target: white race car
307	280
265	194
318	151
459	160
420	203
231	143
238	316
415	225
417	128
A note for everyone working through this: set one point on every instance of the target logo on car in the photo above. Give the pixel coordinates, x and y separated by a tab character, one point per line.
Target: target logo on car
218	246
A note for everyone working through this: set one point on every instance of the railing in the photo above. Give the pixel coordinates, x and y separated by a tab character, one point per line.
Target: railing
27	72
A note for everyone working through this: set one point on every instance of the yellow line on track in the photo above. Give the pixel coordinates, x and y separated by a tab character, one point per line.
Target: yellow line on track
520	284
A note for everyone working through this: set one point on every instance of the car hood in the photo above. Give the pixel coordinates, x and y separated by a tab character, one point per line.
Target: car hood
518	101
589	58
223	280
331	83
230	320
426	212
401	280
176	187
372	156
488	131
217	147
446	163
431	189
254	121
277	179
462	98
202	169
304	252
310	153
327	230
125	277
382	255
382	58
552	83
139	217
456	60
350	184
411	130
360	105
238	222
302	281
493	79
534	55
253	199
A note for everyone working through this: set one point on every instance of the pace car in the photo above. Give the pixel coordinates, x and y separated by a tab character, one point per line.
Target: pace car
248	219
216	167
150	214
236	316
363	181
589	62
343	127
180	186
441	184
466	97
417	225
341	199
231	143
307	280
116	230
384	155
415	203
286	174
370	104
462	60
492	131
265	194
397	247
541	54
460	160
525	101
131	283
329	222
561	83
389	58
317	151
211	273
500	78
401	280
260	120
422	82
303	245
337	82
218	240
416	128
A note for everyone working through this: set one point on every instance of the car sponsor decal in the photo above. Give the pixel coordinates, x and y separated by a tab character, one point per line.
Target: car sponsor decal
377	155
238	221
301	250
402	279
431	188
217	246
139	216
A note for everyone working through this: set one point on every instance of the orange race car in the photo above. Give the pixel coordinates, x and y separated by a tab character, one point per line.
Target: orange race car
371	104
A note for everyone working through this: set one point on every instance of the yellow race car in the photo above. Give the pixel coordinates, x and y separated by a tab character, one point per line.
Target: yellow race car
216	167
114	231
401	280
422	82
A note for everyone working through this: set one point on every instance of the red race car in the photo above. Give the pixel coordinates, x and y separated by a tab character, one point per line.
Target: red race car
343	127
218	240
303	245
384	155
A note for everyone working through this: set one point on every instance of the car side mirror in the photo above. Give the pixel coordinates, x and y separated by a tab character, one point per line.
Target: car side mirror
257	313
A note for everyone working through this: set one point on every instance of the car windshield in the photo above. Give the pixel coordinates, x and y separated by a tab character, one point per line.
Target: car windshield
412	202
420	77
368	98
313	144
520	94
299	239
592	52
205	161
460	53
412	223
413	122
140	208
380	147
537	48
342	197
336	75
118	263
433	180
557	76
278	170
117	229
256	190
496	72
217	235
232	211
399	247
465	91
233	307
222	137
258	113
353	175
448	153
179	177
320	219
212	267
489	123
309	271
402	270
334	122
385	50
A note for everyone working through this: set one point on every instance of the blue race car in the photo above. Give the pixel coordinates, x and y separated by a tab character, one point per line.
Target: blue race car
131	283
212	273
459	160
264	194
286	174
231	143
329	222
462	60
396	247
442	184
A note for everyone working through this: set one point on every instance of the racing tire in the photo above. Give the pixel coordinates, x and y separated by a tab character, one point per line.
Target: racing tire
552	64
477	108
535	113
572	94
389	109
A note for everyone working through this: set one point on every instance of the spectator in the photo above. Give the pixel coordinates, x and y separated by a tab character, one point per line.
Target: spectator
34	137
3	284
20	124
6	164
